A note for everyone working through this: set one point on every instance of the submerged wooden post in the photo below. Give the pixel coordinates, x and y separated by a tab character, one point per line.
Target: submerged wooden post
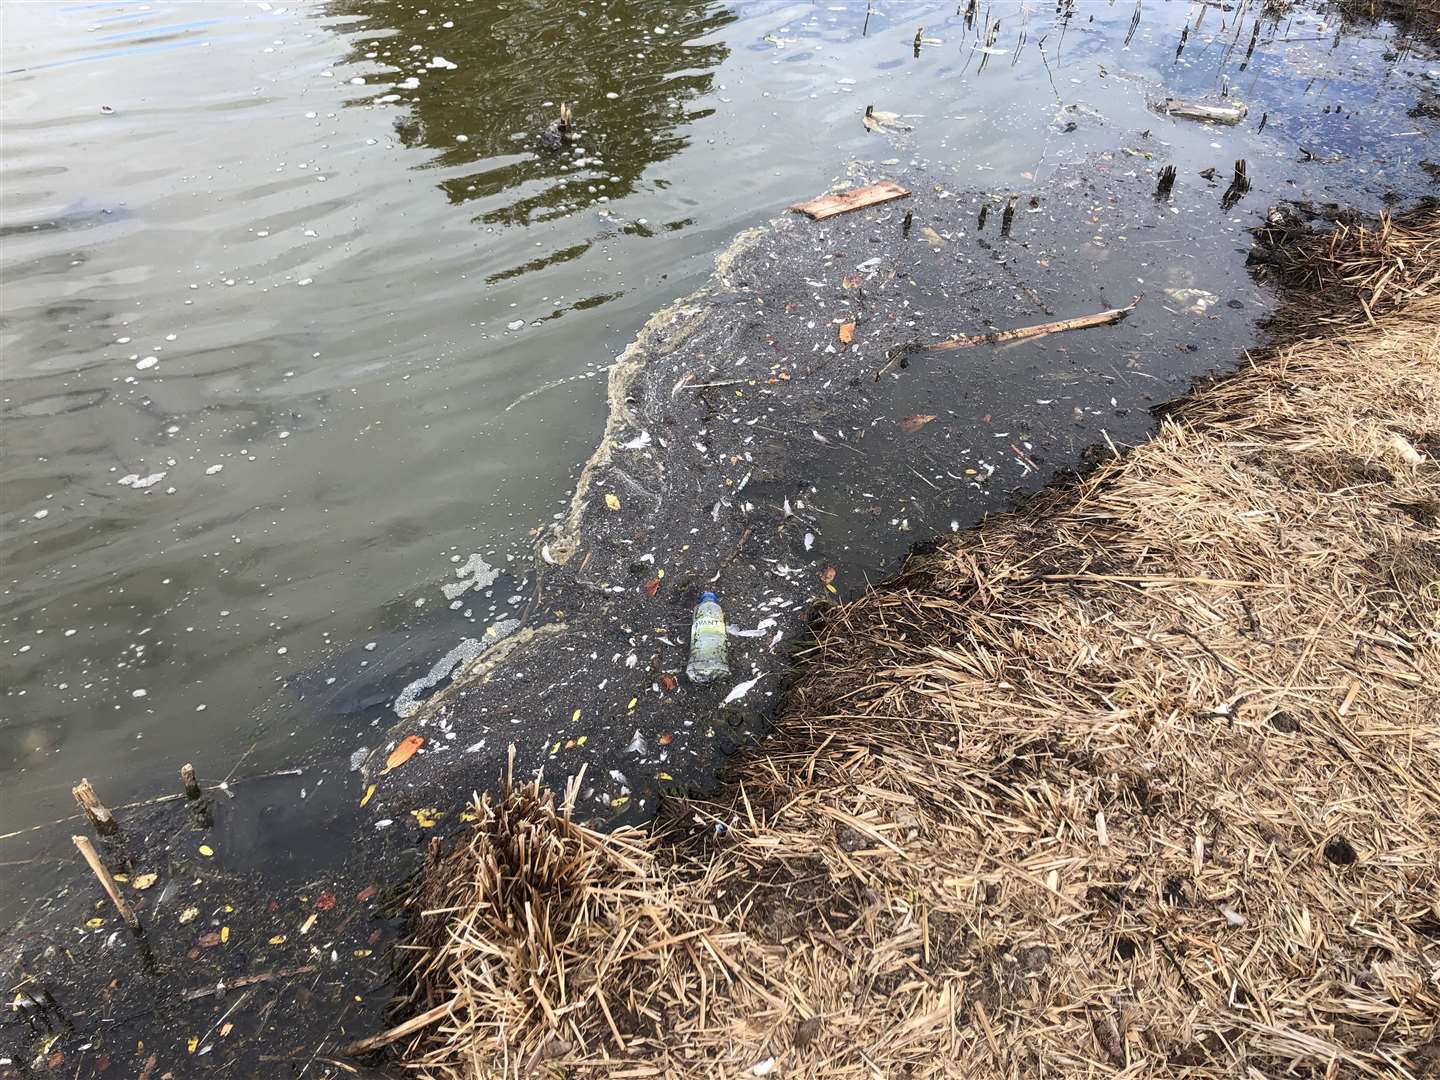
107	882
100	817
188	778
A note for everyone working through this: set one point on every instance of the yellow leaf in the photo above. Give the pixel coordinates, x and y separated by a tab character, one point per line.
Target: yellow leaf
575	716
207	850
122	877
193	1043
612	500
468	815
144	881
633	702
369	794
831	588
362	952
278	939
307	924
224	934
582	740
619	801
427	816
95	923
188	915
229	908
663	776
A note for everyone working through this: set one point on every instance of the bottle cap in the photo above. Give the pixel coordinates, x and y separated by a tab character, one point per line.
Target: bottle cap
708	596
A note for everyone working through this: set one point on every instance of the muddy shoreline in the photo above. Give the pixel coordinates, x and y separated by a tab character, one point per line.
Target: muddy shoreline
1059	792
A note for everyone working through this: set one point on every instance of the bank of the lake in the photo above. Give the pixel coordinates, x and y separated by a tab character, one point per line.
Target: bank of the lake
1142	776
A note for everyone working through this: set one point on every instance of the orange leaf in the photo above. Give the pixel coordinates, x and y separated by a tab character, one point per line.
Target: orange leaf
669	682
325	901
652	586
847	332
828	575
915	423
365	893
404	752
666	739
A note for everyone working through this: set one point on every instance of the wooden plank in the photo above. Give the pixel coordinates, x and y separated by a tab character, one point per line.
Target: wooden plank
842	202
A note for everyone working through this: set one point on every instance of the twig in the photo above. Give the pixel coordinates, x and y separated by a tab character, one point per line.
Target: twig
1101	318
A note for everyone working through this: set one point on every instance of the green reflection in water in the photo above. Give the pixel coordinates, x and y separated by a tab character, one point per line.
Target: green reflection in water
510	59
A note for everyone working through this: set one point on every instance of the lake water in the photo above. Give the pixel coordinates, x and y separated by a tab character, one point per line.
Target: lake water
298	320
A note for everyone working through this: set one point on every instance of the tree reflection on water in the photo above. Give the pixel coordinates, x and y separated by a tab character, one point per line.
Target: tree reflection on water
631	72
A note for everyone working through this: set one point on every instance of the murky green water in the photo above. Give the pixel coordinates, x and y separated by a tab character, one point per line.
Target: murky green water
297	318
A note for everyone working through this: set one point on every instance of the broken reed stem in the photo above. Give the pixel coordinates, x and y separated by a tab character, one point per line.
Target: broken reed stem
189	779
88	801
399	1031
107	882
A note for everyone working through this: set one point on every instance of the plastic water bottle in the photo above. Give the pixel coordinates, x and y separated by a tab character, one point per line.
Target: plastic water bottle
707	642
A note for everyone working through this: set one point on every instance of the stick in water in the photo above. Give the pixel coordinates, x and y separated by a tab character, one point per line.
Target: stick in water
1101	318
107	883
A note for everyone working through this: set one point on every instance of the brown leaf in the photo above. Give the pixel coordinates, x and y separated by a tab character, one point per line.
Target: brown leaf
916	422
325	901
652	586
850	281
847	332
403	752
827	575
806	1030
365	894
55	1060
210	939
149	1067
666	739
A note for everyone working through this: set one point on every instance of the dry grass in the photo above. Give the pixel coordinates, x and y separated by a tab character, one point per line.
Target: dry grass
1141	780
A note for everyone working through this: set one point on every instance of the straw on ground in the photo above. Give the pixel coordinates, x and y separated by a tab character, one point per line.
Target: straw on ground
1143	778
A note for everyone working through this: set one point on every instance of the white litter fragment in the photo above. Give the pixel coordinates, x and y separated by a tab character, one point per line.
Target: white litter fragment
741	689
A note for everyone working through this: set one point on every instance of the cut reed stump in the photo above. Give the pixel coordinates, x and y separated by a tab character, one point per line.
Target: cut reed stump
88	801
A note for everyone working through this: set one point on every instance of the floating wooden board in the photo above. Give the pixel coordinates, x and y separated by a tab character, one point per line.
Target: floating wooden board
842	202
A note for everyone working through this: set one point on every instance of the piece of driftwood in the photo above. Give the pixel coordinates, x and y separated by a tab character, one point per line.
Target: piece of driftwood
1191	110
1100	318
842	202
